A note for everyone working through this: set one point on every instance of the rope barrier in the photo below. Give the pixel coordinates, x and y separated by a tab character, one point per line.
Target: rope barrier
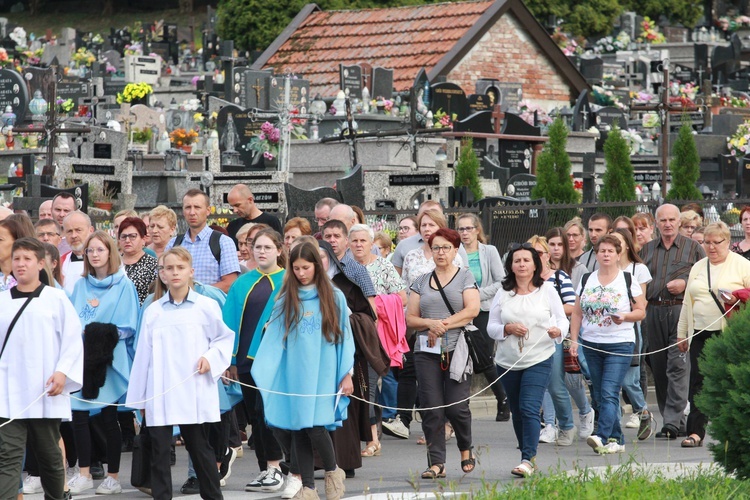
269	391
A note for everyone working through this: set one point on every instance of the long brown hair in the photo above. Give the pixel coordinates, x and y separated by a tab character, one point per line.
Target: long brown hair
276	240
566	262
289	294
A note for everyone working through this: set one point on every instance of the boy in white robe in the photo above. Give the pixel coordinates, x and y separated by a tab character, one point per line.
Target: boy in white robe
181	333
41	353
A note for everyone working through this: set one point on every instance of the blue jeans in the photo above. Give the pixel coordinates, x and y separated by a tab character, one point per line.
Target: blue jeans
388	390
558	394
525	390
632	384
577	388
607	371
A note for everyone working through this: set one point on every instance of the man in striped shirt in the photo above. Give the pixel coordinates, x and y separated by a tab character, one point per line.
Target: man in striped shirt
669	259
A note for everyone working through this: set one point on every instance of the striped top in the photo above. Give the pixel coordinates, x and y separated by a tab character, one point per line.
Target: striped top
566	291
669	264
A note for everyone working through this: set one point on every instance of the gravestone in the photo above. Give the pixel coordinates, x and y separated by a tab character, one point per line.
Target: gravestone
350	79
179	118
480	122
303	200
141	116
607	116
114	86
582	112
351	188
382	82
38	79
507	95
165	50
112	57
516	156
422	86
449	98
515	125
592	69
700	57
246	128
299	93
63	54
236	92
478	102
676	34
74	89
520	186
256	88
683	74
13	92
628	24
143	69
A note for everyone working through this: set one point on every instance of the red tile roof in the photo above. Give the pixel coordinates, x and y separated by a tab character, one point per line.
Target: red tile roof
405	39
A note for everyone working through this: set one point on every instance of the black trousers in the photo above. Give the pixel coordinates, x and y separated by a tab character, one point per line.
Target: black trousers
406	376
43	435
304	442
489	345
266	446
696	421
82	433
197	444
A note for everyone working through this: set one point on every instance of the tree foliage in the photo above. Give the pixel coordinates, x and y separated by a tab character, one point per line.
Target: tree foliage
553	168
685	166
725	365
618	183
467	169
686	12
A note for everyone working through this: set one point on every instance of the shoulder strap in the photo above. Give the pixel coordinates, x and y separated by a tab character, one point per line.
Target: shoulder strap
584	279
558	284
628	282
34	294
442	293
215	245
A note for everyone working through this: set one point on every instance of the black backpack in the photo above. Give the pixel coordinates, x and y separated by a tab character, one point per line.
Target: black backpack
213	244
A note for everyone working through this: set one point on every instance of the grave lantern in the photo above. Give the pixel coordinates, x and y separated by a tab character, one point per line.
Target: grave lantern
317	109
8	119
38	106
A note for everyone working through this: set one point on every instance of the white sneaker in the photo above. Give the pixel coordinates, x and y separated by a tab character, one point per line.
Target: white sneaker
612	447
79	483
634	422
273	481
548	434
110	486
566	438
587	425
71	472
293	485
595	442
240	452
257	483
396	428
32	484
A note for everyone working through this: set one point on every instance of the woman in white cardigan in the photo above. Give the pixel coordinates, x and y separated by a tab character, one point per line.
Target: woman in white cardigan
484	263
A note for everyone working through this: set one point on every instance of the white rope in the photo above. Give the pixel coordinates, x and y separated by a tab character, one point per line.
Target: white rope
24	410
134	402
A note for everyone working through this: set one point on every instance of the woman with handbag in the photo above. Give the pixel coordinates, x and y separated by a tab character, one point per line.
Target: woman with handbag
441	304
485	265
709	290
609	302
526	312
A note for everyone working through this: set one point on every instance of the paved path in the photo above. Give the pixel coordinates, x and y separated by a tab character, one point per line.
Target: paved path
396	472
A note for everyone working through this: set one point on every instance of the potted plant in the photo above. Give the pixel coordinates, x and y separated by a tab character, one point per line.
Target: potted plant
183	139
102	197
140	139
135	93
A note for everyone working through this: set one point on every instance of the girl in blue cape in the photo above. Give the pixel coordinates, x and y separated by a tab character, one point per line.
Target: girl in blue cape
308	349
104	295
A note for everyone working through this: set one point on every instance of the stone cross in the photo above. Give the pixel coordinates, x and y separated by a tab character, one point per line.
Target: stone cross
497	118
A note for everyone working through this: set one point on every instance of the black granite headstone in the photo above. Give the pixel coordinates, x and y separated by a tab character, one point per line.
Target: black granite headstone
351	187
515	125
683	74
299	94
522	186
246	128
114	86
450	98
478	102
256	91
239	86
302	200
582	112
480	122
516	156
592	69
38	79
73	89
609	115
351	80
13	92
507	95
382	82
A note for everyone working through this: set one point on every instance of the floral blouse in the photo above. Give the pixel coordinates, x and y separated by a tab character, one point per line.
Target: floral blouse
384	277
416	264
142	274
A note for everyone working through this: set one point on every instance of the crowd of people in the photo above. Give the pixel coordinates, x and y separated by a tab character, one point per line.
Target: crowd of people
208	339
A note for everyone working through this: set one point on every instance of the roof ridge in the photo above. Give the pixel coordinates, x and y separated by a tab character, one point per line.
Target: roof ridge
424	5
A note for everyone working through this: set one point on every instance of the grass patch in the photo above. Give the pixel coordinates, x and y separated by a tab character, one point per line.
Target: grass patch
92	21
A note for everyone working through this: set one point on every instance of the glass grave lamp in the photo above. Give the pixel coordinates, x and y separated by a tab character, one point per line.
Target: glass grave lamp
38	107
317	109
8	118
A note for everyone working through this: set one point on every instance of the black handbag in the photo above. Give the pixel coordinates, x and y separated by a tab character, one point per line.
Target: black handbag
140	472
482	361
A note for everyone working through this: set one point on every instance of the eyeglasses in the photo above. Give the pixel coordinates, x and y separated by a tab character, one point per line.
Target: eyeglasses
403	229
574	236
262	249
713	243
518	246
444	249
47	235
322	220
466	229
540	252
132	236
91	251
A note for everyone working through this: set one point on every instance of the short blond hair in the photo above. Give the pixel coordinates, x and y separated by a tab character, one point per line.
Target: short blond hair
163	212
717	229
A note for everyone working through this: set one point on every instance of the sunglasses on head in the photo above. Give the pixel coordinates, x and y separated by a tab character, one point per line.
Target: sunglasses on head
519	246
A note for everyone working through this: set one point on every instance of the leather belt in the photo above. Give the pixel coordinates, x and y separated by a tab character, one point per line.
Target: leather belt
675	302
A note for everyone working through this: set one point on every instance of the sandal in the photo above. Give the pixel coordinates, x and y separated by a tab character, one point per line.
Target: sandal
524	469
372	451
431	473
691	442
422	440
469	464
